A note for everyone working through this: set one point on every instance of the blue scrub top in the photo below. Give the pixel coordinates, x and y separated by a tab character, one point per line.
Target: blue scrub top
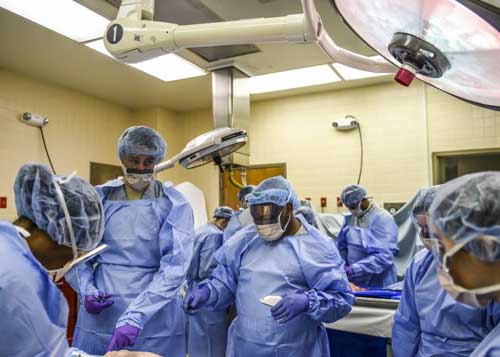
429	322
34	313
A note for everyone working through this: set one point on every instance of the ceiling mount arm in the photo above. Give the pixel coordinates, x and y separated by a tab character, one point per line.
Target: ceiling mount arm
337	53
132	37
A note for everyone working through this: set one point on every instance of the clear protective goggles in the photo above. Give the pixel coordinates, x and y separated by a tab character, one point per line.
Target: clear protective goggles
354	206
265	213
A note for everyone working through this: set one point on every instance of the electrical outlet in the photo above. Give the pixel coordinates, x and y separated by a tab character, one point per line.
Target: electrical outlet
3	202
323	202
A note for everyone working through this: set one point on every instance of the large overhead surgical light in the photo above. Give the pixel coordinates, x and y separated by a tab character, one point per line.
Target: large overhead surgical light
209	147
454	45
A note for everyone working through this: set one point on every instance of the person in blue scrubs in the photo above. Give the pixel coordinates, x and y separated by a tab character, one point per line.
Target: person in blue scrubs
60	218
281	256
465	225
308	214
207	329
368	241
130	293
429	322
242	217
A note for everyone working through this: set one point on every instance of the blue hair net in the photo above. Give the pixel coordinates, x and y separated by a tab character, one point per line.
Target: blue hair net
141	140
245	191
275	190
467	211
36	199
223	212
308	214
353	194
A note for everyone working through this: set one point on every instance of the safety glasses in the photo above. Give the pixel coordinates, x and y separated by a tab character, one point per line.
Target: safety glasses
265	213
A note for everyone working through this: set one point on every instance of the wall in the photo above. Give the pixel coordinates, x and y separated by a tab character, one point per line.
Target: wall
82	129
296	130
79	130
401	129
321	161
456	125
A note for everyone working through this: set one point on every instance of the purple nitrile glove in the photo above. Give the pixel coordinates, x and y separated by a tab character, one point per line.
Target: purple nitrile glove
123	336
196	299
95	304
348	270
290	306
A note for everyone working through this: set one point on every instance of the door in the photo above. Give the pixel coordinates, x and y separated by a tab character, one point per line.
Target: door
255	174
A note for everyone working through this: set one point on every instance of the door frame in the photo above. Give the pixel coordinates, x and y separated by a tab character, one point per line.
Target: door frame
260	166
472	152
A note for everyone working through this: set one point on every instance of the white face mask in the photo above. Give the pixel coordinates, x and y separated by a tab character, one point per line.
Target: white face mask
474	297
138	180
478	297
273	231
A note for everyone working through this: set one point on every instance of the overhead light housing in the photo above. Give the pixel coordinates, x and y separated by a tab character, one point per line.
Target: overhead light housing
453	45
66	17
169	67
297	78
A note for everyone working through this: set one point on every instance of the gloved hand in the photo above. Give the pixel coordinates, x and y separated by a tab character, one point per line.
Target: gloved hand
290	306
196	299
123	336
348	271
95	304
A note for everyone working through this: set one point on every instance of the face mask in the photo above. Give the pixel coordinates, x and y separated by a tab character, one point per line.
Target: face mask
473	297
273	231
139	180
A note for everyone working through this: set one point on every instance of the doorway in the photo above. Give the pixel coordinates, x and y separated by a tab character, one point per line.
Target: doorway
255	175
450	165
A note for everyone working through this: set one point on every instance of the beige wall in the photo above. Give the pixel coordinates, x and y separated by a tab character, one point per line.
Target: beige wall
79	130
401	129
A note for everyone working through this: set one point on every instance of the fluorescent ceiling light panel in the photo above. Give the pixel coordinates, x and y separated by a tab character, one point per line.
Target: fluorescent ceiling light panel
297	78
63	16
348	73
168	67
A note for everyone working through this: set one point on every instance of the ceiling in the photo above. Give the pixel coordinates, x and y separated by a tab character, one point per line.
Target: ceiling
35	51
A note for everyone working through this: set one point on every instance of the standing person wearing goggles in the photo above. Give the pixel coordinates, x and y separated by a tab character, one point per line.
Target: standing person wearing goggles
242	217
60	220
465	222
368	241
207	329
284	257
149	233
429	322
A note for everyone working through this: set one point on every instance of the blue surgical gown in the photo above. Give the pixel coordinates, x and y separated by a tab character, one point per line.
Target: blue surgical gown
34	313
251	268
368	245
429	322
238	221
150	244
490	346
207	329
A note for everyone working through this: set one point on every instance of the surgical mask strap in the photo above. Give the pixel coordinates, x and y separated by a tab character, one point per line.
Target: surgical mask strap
62	202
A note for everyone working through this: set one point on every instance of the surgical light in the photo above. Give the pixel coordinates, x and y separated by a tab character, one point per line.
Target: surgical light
209	147
453	45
